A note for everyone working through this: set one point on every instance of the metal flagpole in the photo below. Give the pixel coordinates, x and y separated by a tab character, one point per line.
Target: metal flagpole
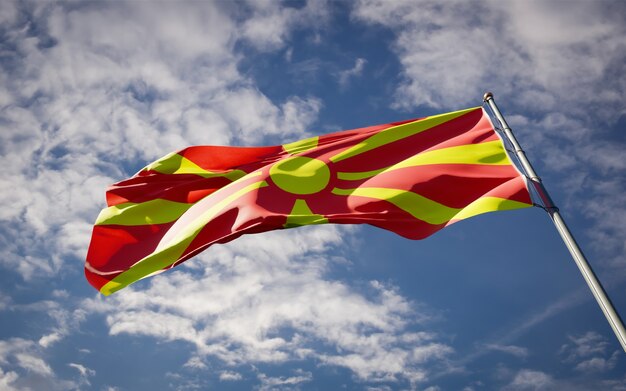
596	288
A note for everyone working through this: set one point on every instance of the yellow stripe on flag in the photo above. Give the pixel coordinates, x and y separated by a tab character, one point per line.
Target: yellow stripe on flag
488	204
158	211
168	253
416	205
430	211
177	164
396	133
489	153
301	145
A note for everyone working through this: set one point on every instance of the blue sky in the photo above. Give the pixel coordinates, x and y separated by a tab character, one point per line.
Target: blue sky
91	92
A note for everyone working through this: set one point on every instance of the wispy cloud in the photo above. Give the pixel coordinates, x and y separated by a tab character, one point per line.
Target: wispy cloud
230	376
268	299
85	373
279	383
553	69
502	341
345	75
24	367
270	24
513	350
64	319
452	53
84	107
588	353
531	380
8	380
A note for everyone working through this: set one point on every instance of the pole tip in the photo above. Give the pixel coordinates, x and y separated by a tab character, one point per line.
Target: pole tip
487	96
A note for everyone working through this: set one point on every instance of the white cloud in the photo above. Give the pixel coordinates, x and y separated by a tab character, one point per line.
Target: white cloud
165	326
32	363
5	301
588	353
85	373
452	53
267	299
443	58
252	116
49	339
60	294
527	379
345	76
270	23
65	320
513	350
230	376
561	66
526	322
598	364
196	363
278	383
8	348
25	368
615	385
7	380
98	91
588	344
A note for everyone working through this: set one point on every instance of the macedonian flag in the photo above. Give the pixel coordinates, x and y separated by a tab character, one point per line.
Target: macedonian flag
412	178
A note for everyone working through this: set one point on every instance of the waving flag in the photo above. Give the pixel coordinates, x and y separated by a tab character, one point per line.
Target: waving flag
412	178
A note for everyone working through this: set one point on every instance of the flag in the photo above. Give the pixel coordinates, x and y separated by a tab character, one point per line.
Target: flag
413	178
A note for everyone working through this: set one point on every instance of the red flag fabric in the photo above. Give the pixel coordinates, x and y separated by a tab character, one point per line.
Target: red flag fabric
412	178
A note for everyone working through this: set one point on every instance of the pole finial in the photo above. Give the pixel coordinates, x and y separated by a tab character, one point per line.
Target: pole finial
487	96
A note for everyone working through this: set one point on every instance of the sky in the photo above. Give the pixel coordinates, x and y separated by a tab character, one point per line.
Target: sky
90	92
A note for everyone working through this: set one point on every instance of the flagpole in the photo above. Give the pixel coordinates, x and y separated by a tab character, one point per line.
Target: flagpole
583	265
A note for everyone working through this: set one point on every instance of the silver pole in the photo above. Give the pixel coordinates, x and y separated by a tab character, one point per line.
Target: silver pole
583	265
